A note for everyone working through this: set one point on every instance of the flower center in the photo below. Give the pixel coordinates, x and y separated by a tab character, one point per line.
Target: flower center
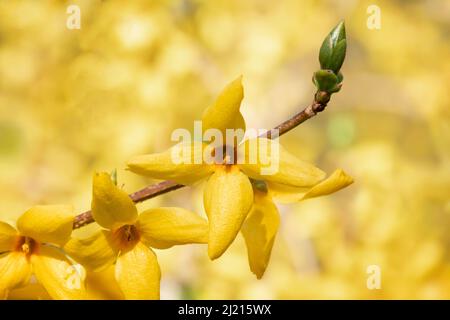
26	245
225	154
126	237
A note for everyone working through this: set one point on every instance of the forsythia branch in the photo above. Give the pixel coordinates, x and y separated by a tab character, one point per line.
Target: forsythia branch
320	102
328	80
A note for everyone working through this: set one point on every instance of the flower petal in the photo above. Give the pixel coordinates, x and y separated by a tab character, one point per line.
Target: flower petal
224	113
138	273
239	122
227	199
15	272
8	236
103	285
183	163
267	160
165	227
57	274
259	231
95	252
111	206
32	291
51	224
335	182
286	194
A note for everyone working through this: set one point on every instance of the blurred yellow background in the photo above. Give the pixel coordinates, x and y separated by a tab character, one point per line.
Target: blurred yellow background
76	101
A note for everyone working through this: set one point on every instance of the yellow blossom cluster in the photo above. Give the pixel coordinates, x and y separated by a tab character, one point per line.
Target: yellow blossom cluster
237	197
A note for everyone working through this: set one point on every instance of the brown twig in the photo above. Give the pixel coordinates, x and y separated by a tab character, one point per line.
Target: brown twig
320	102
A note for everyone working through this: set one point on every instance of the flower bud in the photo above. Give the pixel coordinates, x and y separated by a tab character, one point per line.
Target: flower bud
332	52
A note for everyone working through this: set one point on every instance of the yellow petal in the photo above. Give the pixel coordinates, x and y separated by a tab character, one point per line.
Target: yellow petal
286	194
51	224
32	291
111	206
259	231
239	122
15	272
138	273
95	252
335	182
227	199
7	237
103	285
57	274
165	227
224	113
183	163
267	160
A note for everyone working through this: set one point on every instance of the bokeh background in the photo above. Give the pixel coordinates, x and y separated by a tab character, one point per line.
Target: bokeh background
77	101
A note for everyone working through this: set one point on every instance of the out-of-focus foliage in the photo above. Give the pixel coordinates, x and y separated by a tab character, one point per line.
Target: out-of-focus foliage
75	101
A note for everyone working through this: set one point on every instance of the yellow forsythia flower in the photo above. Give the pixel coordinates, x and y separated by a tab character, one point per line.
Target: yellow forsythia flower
229	194
32	249
261	226
127	238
